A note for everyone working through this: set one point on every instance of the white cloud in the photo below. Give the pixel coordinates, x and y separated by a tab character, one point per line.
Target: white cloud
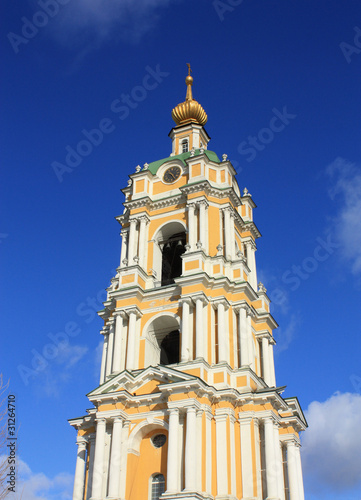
346	191
37	486
285	335
89	22
332	443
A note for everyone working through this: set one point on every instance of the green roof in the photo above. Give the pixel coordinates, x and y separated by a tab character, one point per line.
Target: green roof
153	167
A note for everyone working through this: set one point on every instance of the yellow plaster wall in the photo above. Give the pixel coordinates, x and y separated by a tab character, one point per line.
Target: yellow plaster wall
140	468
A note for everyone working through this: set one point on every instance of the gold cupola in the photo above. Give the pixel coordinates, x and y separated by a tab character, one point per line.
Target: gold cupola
189	111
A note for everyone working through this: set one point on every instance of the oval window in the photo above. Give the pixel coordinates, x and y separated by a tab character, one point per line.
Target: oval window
159	440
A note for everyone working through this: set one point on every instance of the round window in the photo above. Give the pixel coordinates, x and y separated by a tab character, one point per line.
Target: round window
159	440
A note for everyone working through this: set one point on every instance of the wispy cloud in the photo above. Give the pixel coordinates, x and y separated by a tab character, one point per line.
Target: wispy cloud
38	486
331	445
90	22
285	335
346	190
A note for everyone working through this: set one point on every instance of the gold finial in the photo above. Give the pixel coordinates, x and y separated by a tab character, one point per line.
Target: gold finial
189	83
190	111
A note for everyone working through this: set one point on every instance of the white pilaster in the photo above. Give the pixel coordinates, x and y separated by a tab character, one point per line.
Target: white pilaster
251	361
186	336
124	459
227	233
203	226
115	457
119	316
109	368
97	485
191	449
279	466
251	261
91	466
173	452
301	492
199	327
272	363
292	468
233	237
123	252
222	458
246	456
232	439
223	333
192	226
265	360
132	245
243	336
271	476
143	241
208	451
199	416
132	339
79	480
104	358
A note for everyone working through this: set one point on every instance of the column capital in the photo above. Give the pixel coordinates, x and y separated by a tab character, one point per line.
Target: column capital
101	420
124	233
221	301
134	310
250	243
144	218
186	300
173	410
133	220
191	205
81	443
238	307
121	313
227	209
204	203
201	297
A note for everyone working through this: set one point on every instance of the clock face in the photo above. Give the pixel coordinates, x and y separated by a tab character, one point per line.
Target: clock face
171	174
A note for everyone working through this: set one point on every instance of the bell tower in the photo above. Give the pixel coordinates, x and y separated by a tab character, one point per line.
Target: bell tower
187	405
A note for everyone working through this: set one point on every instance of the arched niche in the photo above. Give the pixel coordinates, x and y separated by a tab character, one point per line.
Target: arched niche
162	340
169	245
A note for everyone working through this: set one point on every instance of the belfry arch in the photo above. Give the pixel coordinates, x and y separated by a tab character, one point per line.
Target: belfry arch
162	340
170	241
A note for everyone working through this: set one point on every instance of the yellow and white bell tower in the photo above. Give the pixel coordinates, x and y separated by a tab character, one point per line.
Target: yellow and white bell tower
188	406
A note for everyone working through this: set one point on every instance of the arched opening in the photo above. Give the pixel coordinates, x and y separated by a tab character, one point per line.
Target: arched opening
162	340
172	250
169	348
157	486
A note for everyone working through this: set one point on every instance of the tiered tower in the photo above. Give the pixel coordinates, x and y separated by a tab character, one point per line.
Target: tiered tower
188	406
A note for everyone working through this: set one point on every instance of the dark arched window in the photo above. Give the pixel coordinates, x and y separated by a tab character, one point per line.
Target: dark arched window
169	348
173	248
157	486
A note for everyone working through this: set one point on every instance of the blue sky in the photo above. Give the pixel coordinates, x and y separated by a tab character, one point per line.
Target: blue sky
59	242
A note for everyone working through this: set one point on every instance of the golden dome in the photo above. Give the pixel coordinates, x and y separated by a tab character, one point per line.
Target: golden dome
189	111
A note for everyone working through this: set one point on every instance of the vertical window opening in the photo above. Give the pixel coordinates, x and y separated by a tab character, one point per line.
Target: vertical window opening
157	486
173	248
185	146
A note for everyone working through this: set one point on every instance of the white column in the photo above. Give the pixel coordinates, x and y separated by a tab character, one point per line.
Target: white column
301	492
292	466
115	457
132	336
265	360
233	237
173	452
222	333
243	336
192	226
232	421
91	466
79	480
279	465
143	242
208	451
124	342
203	205
124	460
185	336
227	233
246	456
199	467
222	459
109	368
251	261
119	316
199	327
132	249
271	477
250	338
104	358
272	364
191	449
97	485
123	252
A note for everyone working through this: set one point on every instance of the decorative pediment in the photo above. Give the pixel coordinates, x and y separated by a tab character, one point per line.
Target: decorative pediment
142	382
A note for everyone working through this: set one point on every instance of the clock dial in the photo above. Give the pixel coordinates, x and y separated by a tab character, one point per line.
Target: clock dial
171	174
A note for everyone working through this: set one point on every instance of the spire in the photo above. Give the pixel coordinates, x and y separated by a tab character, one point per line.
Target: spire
189	111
